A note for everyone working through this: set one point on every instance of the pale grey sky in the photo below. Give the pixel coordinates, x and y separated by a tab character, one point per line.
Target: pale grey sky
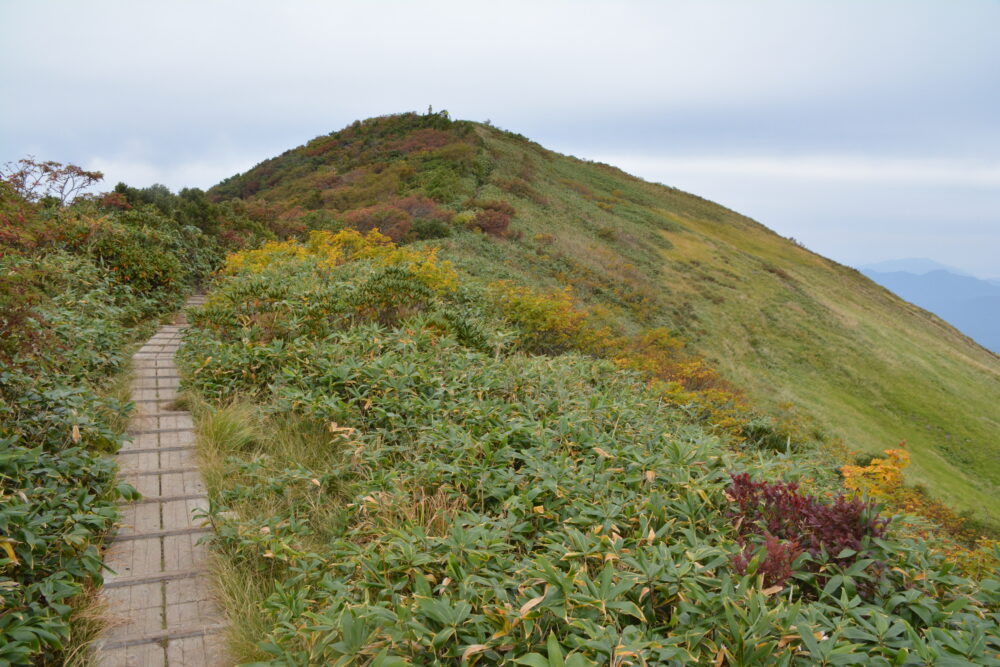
867	130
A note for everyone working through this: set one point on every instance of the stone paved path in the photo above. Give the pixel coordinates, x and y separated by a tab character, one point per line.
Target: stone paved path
159	598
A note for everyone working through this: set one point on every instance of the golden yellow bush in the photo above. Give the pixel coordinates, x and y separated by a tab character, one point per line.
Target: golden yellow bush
551	321
974	555
333	249
882	478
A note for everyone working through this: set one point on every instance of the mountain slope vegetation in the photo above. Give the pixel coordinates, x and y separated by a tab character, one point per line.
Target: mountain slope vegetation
402	471
970	304
827	353
453	418
78	285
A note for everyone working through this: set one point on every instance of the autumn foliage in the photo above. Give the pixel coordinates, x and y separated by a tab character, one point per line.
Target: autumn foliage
787	522
33	179
883	479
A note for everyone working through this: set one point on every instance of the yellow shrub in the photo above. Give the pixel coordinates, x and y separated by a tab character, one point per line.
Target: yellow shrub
881	478
424	264
947	532
550	321
259	259
335	248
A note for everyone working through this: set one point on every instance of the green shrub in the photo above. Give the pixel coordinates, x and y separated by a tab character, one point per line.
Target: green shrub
475	503
71	301
131	254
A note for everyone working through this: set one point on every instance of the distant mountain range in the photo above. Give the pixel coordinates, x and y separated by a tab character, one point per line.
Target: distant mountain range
970	304
916	265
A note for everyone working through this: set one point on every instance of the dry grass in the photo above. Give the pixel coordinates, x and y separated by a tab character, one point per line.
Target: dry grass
434	512
89	619
240	431
241	592
119	388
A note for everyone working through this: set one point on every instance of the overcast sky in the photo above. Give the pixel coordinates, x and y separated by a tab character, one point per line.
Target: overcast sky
866	130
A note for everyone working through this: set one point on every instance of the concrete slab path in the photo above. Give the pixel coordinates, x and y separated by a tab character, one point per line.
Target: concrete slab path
159	597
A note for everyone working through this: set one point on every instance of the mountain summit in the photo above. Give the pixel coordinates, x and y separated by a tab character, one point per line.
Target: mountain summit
798	332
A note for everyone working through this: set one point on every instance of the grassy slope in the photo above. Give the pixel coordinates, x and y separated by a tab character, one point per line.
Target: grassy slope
783	323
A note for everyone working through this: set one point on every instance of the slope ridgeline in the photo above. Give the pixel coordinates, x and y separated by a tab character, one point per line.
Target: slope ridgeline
828	354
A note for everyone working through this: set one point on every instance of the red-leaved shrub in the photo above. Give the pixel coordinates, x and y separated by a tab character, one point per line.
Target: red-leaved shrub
491	205
494	223
777	561
422	140
392	221
777	511
114	200
423	208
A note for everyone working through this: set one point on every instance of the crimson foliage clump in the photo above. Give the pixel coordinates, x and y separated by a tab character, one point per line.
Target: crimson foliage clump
494	223
776	564
786	522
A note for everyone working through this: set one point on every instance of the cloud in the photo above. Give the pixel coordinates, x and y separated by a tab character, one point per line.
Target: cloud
143	173
811	116
825	168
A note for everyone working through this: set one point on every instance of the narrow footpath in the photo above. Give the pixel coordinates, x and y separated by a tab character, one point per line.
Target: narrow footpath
159	596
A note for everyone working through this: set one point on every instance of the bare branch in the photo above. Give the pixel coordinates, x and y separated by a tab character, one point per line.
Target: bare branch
34	180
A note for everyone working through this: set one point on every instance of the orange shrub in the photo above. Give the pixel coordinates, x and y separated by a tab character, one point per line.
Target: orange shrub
883	479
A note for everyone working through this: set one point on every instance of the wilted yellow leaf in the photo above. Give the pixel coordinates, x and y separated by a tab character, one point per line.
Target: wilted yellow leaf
76	433
473	649
772	590
531	604
650	476
9	548
336	429
202	367
602	453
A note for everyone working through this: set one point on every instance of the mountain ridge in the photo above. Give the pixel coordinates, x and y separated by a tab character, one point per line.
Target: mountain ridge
789	326
915	265
970	304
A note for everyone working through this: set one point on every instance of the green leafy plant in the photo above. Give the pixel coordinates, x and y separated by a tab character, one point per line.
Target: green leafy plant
455	498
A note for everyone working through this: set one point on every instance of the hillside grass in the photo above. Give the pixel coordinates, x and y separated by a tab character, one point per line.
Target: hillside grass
809	341
783	323
395	478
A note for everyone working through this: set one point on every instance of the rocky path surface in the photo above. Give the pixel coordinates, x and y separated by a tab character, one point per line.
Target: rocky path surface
159	596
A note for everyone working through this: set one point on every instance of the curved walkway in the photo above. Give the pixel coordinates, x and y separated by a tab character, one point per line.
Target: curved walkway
158	595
